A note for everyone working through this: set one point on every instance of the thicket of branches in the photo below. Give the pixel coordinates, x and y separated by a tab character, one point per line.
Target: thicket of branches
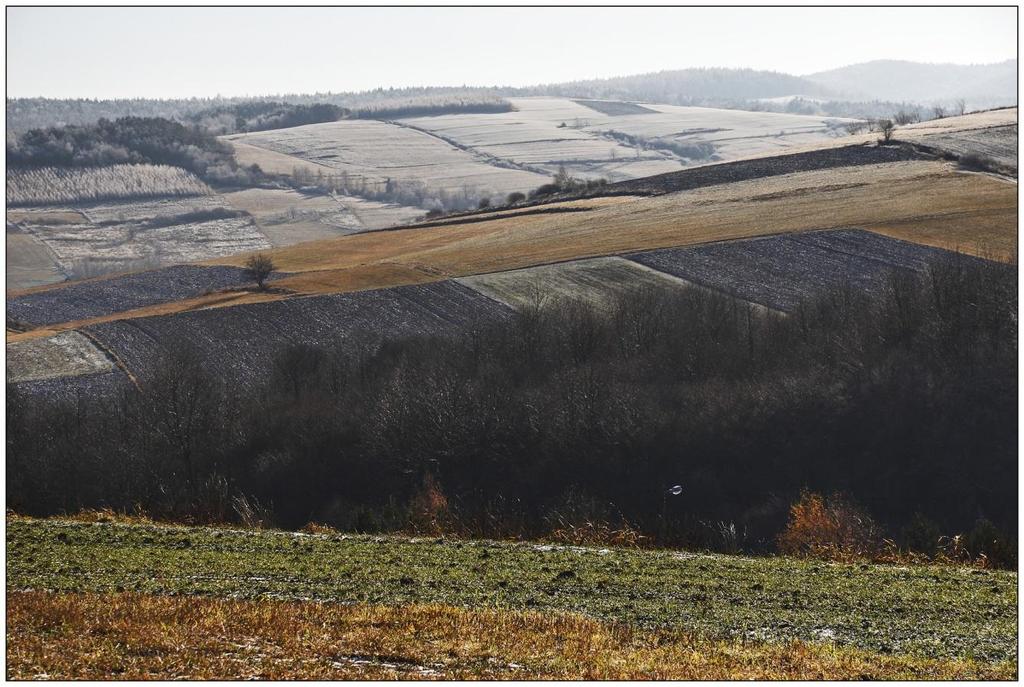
906	402
48	185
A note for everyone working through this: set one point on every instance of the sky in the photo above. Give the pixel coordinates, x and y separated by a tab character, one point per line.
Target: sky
155	52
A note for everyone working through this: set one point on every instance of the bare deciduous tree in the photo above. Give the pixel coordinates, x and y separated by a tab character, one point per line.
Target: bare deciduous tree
258	267
887	128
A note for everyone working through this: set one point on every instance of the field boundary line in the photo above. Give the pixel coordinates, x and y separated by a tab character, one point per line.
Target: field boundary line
114	357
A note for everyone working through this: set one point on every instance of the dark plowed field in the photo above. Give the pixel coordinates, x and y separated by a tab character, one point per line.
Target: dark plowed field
742	170
117	294
239	343
781	271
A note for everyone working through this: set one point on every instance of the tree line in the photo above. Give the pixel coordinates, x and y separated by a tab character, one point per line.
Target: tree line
904	402
128	140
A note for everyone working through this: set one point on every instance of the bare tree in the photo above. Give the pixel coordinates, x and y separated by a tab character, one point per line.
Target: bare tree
960	106
258	267
887	128
938	112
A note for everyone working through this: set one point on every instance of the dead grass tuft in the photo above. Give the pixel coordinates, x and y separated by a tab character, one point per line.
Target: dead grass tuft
134	637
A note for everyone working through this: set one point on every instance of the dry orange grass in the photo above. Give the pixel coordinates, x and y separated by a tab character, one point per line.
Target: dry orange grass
986	235
131	636
879	195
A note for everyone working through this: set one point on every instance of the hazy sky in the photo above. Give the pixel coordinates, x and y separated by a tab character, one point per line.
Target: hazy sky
180	52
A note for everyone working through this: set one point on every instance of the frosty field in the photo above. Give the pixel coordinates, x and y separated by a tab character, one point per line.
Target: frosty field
51	185
547	132
374	152
67	354
595	281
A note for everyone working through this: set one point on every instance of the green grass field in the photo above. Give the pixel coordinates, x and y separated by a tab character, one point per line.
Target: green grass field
920	611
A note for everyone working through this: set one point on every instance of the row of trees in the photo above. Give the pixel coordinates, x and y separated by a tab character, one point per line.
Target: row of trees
906	402
25	114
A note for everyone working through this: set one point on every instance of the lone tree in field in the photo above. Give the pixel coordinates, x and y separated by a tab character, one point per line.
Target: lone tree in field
887	128
258	267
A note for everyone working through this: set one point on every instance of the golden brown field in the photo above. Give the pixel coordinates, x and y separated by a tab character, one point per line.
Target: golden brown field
867	197
136	636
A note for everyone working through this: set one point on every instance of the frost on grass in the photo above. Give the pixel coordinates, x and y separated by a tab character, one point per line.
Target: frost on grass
373	153
595	281
64	354
121	246
134	211
48	185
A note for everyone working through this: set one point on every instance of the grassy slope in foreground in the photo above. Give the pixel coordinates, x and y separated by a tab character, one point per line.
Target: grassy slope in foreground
137	636
920	611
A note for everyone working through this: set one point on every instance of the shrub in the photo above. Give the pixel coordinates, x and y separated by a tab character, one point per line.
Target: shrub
978	162
887	128
484	203
992	546
832	529
545	190
922	535
428	509
515	197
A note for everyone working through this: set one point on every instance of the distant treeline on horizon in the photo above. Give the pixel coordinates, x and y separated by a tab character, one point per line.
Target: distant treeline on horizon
861	91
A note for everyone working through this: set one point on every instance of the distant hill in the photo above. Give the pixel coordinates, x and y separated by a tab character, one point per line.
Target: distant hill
896	80
686	86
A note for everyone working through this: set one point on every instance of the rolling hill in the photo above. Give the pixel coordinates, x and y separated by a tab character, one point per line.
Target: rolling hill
982	85
894	206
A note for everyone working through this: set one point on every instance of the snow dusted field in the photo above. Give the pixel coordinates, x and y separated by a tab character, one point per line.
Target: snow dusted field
287	216
68	354
49	185
111	248
547	132
373	152
596	281
493	154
